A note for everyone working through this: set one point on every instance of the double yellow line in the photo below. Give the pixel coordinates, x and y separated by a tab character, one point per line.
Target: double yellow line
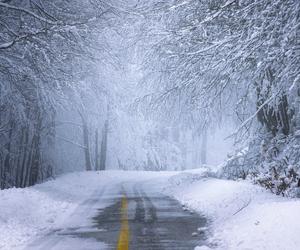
124	237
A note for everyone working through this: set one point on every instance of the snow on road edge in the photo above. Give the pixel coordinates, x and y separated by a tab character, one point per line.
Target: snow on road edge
243	216
28	213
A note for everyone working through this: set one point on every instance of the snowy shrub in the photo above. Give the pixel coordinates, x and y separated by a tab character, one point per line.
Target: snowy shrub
274	164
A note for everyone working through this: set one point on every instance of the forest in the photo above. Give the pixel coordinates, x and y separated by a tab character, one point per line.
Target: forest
143	85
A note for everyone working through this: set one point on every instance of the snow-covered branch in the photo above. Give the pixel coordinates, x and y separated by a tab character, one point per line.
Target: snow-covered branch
28	12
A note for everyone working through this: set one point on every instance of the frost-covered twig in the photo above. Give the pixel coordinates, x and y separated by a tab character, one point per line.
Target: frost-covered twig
20	38
243	207
69	141
8	6
249	119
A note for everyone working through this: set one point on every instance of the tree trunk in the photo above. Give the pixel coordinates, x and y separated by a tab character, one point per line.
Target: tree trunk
7	162
97	166
36	162
20	157
86	143
104	146
29	164
24	152
88	163
274	117
204	147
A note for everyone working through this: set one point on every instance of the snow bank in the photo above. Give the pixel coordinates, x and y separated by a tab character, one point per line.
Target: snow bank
31	212
243	216
26	212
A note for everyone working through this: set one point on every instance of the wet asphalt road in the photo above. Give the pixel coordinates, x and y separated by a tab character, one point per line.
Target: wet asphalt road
156	222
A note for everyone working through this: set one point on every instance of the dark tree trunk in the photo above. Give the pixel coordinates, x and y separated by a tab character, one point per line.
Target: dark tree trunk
273	118
28	166
86	142
204	147
104	146
97	165
20	158
7	162
35	168
24	153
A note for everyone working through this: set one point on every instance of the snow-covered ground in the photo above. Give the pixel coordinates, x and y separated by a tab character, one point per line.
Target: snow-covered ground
26	214
242	216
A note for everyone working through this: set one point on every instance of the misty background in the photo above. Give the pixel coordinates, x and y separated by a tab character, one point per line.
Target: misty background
148	85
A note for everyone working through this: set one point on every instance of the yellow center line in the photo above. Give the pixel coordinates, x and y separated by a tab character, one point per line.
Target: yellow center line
123	242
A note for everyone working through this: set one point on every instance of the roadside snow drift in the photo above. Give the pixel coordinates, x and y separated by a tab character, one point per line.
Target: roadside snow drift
31	212
243	216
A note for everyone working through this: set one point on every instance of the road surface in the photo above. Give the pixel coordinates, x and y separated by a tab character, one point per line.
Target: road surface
126	216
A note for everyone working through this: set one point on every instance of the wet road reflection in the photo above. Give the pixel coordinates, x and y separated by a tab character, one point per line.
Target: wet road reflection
155	222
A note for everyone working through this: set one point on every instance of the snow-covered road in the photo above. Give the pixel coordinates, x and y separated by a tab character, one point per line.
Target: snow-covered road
160	210
155	221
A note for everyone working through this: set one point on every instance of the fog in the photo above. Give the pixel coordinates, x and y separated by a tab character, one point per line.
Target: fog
140	85
122	121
